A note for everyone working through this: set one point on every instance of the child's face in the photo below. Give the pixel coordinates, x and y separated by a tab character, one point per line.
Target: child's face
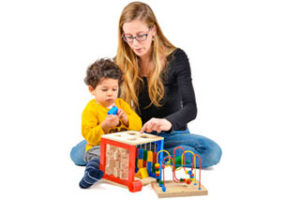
106	92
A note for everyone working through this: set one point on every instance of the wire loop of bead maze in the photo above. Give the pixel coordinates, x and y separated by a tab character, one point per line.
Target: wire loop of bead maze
183	186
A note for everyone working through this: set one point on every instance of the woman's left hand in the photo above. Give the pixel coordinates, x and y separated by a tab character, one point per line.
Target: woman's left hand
156	124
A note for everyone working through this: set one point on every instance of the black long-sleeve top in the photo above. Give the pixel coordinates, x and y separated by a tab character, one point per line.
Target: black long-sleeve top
178	104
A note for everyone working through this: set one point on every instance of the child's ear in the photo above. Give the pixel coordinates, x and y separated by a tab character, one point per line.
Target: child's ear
91	89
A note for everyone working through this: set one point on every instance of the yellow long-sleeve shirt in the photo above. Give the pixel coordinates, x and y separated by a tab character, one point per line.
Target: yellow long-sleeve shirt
94	114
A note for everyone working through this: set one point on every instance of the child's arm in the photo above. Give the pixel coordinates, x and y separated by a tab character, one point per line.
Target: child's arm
90	127
134	121
110	122
123	117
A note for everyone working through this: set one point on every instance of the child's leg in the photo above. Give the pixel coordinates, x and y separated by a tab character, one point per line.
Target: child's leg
77	153
92	174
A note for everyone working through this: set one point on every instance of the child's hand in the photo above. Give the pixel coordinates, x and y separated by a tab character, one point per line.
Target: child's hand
110	122
123	117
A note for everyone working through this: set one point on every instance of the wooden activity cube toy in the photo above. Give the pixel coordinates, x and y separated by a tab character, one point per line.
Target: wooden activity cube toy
127	154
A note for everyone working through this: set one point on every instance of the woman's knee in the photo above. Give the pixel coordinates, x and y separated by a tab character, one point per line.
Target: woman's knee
213	155
208	149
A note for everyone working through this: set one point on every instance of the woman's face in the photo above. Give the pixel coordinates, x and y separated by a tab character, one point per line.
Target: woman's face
139	37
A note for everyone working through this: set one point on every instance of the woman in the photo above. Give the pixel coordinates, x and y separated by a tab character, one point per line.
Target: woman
158	84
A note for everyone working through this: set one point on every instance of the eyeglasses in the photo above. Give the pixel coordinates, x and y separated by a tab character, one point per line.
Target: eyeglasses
138	37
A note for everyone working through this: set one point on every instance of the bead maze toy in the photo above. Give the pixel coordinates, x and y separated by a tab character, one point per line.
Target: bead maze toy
127	158
179	187
130	154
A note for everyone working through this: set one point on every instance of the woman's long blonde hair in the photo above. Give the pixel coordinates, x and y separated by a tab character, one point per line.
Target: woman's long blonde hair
129	63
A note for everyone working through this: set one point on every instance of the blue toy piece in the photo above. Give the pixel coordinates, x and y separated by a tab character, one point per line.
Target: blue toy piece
113	111
149	168
163	189
141	154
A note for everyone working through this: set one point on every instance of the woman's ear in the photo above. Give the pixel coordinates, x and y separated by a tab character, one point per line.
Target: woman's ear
153	30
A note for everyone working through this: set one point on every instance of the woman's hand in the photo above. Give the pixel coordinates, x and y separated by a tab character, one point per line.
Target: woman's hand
156	124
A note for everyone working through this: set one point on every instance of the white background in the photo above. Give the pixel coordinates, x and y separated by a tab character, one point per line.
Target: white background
245	64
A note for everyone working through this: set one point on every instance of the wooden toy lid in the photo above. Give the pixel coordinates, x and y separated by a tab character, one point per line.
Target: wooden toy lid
132	137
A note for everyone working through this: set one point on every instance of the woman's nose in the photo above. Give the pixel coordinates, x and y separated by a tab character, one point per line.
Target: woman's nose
135	42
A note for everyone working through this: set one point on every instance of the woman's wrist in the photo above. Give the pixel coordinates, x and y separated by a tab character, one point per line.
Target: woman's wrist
168	124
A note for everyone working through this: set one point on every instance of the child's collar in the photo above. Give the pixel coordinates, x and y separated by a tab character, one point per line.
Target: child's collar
109	107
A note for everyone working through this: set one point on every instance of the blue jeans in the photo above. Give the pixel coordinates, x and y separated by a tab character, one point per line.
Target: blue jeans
209	151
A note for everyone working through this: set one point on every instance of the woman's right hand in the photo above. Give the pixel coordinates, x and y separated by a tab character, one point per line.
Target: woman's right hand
156	124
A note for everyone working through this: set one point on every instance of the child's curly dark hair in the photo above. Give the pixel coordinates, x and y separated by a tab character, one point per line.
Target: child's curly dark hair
103	68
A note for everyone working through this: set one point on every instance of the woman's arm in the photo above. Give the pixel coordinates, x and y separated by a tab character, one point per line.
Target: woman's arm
182	73
186	90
